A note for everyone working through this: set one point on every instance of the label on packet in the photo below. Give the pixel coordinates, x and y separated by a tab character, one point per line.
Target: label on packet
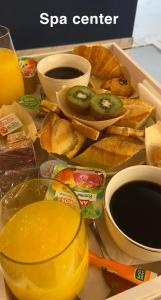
29	101
87	183
58	191
9	123
27	66
16	137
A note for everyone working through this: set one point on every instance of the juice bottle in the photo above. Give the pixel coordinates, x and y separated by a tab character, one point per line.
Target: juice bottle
11	81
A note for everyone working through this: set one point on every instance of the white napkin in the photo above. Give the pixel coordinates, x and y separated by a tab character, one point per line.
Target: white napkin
95	287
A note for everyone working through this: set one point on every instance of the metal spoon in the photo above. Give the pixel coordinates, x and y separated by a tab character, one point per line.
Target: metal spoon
95	231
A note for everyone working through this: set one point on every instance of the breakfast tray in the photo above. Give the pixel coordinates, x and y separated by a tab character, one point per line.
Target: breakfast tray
96	288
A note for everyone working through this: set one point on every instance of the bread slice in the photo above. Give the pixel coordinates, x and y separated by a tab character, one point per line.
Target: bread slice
138	112
86	130
109	152
157	157
125	131
50	106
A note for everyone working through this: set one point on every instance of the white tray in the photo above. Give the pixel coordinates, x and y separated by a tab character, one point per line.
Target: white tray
95	288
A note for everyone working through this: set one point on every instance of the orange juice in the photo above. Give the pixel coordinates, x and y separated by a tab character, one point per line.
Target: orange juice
47	250
11	81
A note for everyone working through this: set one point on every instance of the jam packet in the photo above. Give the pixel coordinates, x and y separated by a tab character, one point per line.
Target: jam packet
87	183
59	191
29	73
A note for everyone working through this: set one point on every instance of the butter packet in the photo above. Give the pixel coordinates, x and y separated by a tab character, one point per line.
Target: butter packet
9	123
87	183
16	137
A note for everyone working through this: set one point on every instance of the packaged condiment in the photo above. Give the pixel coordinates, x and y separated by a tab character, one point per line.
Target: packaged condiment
9	123
30	103
16	137
28	70
88	184
17	163
17	155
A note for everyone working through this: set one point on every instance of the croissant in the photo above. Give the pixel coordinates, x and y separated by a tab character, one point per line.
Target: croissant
104	63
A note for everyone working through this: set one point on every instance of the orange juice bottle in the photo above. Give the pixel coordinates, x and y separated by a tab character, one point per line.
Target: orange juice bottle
11	81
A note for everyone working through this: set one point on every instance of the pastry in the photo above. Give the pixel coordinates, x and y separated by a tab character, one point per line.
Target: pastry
138	112
79	98
125	131
58	136
109	152
45	134
105	106
86	130
118	86
104	63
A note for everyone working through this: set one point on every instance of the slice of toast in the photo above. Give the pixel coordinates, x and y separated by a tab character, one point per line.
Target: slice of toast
109	152
86	130
125	131
50	106
138	112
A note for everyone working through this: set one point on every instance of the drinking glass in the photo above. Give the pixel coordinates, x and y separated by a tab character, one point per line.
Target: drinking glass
60	276
11	81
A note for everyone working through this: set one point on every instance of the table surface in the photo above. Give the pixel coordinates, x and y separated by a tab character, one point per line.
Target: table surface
149	58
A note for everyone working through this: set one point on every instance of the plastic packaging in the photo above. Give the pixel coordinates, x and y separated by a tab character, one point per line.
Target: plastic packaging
17	163
87	183
30	103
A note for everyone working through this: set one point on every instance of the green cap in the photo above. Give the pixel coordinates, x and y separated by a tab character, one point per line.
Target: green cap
29	101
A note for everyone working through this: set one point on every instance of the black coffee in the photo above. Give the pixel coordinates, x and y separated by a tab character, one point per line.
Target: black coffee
136	209
64	73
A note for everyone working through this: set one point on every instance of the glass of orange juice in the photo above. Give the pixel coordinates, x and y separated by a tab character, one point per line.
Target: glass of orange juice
43	241
11	81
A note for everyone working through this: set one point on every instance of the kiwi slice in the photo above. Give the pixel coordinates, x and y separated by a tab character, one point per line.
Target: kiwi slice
79	98
106	106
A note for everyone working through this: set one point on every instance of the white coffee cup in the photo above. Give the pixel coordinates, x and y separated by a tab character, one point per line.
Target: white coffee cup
52	85
125	243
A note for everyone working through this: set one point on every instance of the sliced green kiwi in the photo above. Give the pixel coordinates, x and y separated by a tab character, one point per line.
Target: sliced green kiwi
79	98
106	106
